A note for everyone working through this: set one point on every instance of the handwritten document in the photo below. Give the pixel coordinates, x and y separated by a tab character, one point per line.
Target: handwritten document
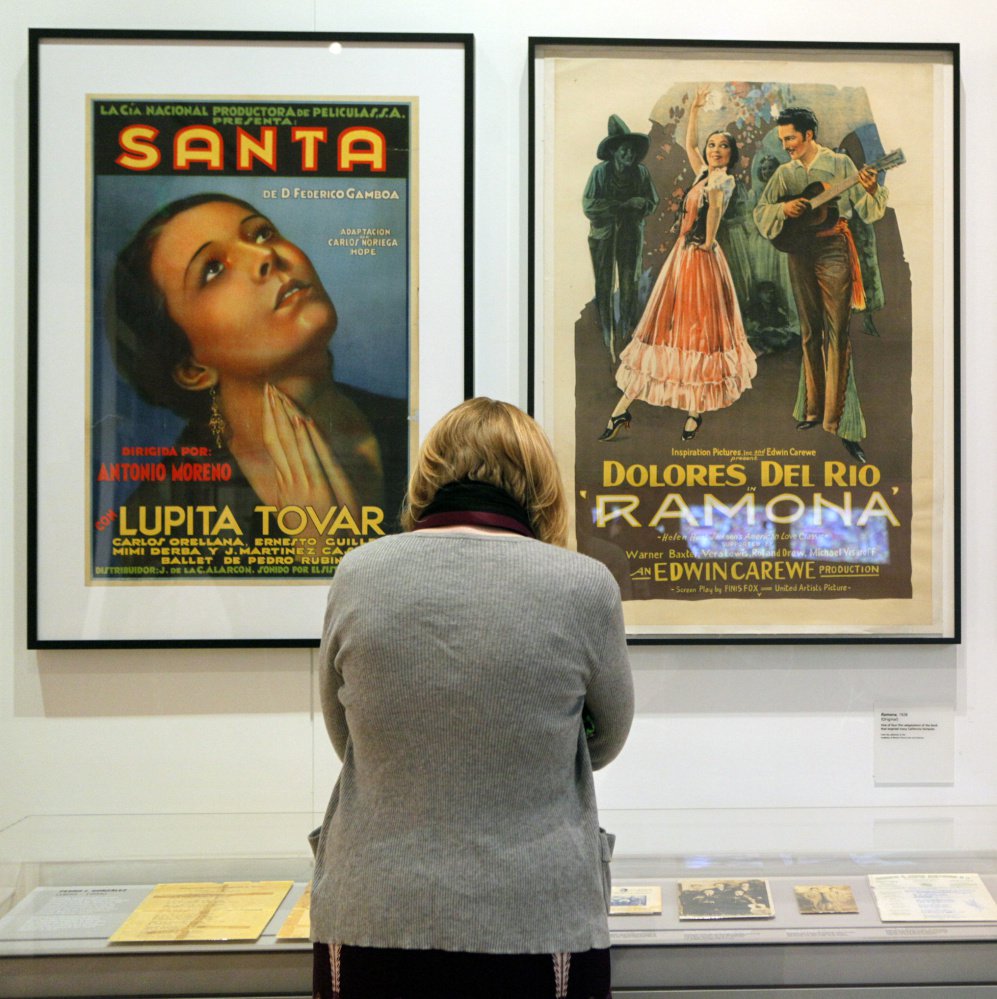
203	911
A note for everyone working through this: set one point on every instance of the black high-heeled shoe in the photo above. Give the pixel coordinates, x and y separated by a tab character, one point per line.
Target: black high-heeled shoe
615	424
687	435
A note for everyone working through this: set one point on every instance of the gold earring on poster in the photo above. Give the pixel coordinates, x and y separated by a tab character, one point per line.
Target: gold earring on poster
216	422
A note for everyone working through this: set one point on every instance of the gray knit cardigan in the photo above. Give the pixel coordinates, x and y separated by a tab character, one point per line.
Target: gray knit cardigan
454	669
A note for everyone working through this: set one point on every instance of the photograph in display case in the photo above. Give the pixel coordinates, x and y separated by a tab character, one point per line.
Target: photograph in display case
819	900
744	330
726	898
266	275
635	900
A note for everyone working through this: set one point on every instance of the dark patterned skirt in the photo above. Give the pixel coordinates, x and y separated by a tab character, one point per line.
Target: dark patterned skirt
346	972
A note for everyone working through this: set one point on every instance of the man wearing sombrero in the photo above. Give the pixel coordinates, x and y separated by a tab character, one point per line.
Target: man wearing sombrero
618	197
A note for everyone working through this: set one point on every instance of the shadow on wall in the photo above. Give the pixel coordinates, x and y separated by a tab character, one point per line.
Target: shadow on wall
775	680
130	682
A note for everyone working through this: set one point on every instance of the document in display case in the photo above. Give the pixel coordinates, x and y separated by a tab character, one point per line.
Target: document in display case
903	898
203	911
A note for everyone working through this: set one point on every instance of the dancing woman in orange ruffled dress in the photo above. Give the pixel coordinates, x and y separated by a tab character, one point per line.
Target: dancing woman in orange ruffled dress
689	350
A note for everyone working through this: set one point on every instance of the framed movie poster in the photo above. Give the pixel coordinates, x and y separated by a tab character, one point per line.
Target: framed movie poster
744	330
251	286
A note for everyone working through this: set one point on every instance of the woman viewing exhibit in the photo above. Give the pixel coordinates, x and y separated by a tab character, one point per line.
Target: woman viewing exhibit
473	672
215	315
689	350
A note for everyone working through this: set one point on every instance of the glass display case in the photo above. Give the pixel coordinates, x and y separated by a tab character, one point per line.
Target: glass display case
803	953
67	883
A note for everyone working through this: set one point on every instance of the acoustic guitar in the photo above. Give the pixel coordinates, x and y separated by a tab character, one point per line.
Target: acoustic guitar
797	235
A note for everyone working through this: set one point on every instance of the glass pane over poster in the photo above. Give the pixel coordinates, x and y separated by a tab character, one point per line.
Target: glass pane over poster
744	330
255	267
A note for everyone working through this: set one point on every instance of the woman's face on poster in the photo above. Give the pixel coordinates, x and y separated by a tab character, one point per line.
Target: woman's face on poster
718	150
250	302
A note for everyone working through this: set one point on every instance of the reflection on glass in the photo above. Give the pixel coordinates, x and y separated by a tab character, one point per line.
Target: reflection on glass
834	539
742	535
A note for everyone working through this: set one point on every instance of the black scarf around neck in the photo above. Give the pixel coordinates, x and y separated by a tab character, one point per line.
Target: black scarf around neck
478	504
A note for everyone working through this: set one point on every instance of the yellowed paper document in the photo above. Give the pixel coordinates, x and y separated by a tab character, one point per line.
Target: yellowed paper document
298	924
932	897
203	911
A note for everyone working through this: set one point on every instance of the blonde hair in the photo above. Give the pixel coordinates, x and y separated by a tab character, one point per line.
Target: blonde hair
487	440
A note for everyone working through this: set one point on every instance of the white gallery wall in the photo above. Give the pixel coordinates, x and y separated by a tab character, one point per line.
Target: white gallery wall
187	731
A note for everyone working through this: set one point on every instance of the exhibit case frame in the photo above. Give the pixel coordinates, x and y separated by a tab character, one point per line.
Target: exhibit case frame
65	889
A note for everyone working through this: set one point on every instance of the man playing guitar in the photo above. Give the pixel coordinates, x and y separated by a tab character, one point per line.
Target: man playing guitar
823	269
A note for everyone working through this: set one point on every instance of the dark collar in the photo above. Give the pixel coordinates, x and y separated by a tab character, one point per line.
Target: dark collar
478	504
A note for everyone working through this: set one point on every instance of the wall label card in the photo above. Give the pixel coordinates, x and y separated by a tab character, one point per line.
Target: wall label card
914	745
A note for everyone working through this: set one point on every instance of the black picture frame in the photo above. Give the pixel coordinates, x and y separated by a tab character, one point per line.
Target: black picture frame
425	79
895	93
